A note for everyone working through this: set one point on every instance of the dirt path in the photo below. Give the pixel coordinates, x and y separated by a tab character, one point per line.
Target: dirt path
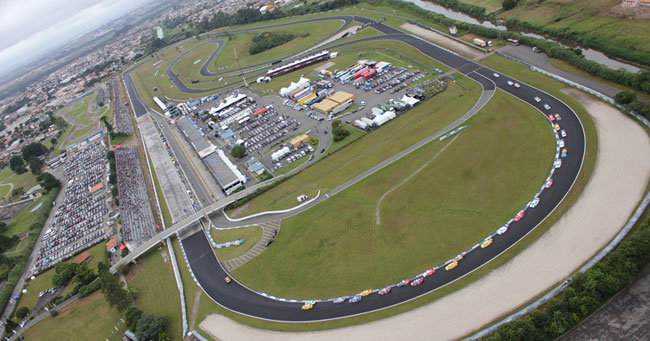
407	179
195	308
443	41
617	184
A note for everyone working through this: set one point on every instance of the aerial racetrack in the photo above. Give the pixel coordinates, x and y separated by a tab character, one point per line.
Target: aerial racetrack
236	297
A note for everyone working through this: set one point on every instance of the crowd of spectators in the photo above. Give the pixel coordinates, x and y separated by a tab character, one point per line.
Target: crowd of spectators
123	123
135	209
78	219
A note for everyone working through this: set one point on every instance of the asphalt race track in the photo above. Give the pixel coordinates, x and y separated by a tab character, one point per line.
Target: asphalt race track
238	298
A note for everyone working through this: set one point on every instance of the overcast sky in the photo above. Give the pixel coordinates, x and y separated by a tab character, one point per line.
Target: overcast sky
30	27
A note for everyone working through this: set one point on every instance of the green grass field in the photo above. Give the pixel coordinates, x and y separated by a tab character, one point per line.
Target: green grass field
241	42
146	78
402	132
439	212
121	139
157	291
603	19
355	134
250	234
88	319
489	5
7	176
44	280
23	220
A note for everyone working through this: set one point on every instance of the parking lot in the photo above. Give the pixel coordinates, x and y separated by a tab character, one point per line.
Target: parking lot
79	220
265	125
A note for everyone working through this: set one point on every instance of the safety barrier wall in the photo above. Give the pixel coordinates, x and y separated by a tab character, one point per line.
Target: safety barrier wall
179	284
619	237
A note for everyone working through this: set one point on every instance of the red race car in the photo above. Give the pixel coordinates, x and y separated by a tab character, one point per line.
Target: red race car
551	117
417	281
384	291
519	216
428	273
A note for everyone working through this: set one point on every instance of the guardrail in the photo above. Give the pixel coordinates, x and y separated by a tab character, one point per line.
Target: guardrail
179	284
619	237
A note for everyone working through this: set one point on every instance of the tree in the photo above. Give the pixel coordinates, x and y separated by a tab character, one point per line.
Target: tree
64	272
149	326
625	97
48	181
33	149
509	4
9	326
131	317
22	312
3	226
35	164
112	289
238	151
84	275
17	164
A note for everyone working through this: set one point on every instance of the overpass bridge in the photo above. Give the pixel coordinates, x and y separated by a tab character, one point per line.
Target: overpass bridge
188	221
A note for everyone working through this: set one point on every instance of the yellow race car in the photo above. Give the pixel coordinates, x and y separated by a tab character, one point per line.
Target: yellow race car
451	265
366	293
487	242
227	280
308	305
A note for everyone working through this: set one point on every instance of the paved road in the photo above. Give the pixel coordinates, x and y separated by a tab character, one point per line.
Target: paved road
542	61
261	67
238	298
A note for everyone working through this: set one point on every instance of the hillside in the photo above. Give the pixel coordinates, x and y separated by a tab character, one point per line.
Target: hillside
606	25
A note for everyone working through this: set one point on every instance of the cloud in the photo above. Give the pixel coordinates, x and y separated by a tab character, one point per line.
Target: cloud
30	27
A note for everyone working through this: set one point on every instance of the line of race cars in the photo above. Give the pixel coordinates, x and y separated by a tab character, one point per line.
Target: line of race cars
450	265
453	263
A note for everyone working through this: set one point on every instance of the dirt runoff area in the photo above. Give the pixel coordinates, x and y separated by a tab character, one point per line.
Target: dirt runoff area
443	41
612	194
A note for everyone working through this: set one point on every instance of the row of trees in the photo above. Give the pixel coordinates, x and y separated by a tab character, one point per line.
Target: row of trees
146	326
268	40
629	100
586	293
582	38
566	33
20	260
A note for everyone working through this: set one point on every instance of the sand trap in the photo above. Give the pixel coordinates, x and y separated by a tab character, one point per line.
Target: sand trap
443	41
612	194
